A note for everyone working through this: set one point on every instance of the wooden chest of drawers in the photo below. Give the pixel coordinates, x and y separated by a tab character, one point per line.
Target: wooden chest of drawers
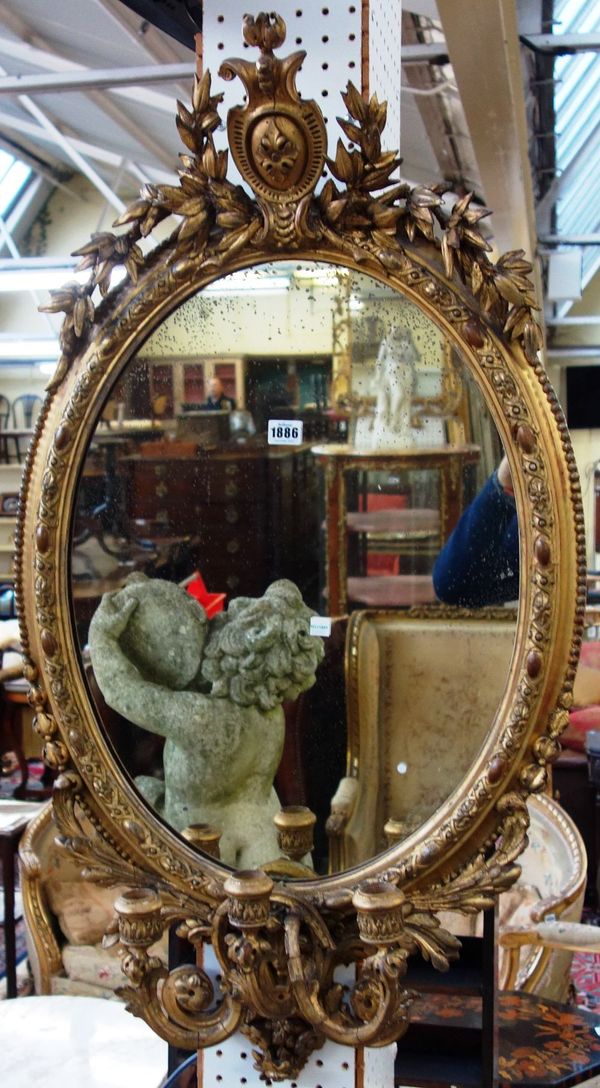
242	511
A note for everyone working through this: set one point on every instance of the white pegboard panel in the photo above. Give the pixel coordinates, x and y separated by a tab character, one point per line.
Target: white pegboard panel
385	31
331	35
231	1064
329	32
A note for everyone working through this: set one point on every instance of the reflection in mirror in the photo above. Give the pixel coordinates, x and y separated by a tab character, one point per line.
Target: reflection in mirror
294	423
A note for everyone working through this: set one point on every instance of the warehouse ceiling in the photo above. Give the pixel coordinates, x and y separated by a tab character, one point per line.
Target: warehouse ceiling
90	86
74	107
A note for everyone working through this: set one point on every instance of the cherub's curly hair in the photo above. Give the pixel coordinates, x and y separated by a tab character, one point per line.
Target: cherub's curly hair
260	651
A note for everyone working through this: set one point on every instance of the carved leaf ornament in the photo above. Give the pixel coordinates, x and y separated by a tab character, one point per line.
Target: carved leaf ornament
279	945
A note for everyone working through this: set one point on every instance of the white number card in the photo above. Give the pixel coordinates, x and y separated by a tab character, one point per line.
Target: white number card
285	432
320	625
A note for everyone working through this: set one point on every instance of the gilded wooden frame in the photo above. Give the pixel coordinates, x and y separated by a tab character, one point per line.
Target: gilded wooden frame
485	310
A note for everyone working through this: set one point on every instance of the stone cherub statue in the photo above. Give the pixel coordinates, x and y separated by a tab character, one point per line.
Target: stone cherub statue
214	691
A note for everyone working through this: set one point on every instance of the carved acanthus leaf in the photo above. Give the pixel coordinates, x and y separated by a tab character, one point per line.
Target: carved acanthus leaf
424	933
479	883
75	302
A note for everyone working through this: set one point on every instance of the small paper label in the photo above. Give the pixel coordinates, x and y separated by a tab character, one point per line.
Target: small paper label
284	432
320	625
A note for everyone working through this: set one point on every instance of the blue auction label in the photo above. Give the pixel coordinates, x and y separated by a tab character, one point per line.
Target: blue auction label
284	432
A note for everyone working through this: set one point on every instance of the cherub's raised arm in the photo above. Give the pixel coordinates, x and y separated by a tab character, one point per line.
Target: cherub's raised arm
156	708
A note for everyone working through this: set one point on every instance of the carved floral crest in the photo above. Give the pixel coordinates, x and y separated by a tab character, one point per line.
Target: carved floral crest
277	139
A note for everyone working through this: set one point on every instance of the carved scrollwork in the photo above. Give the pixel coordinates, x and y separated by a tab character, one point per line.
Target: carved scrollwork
278	960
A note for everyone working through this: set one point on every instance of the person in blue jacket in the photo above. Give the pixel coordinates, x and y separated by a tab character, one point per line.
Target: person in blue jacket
479	563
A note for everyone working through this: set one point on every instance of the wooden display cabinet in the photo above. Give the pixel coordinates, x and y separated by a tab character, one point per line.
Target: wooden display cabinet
338	462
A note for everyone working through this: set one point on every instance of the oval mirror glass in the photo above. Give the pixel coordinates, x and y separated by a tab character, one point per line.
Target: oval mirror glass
294	423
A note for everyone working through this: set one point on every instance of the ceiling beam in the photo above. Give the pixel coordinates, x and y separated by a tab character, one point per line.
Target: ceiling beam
431	109
113	109
589	319
15	259
73	154
91	151
570	240
95	78
38	264
36	52
425	53
491	91
557	45
576	351
142	34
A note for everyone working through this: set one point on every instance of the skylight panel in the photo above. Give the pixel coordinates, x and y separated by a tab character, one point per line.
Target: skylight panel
577	110
12	180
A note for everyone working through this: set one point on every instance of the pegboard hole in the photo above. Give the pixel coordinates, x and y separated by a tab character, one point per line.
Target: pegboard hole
352	37
325	66
220	18
325	38
298	14
351	64
324	11
324	93
298	41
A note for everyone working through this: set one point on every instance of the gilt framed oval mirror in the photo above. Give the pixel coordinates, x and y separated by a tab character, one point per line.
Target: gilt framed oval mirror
237	512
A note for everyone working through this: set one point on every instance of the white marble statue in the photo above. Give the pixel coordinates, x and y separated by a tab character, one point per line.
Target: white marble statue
390	426
214	691
395	386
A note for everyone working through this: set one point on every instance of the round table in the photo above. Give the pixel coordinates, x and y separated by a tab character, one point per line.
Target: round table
67	1042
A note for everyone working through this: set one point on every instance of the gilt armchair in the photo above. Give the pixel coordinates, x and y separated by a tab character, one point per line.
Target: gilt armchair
540	918
410	677
66	918
542	910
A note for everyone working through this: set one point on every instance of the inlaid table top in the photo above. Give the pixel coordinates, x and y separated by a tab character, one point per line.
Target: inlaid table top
542	1044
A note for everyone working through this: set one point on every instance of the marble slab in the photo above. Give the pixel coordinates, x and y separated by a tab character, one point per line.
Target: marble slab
67	1042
